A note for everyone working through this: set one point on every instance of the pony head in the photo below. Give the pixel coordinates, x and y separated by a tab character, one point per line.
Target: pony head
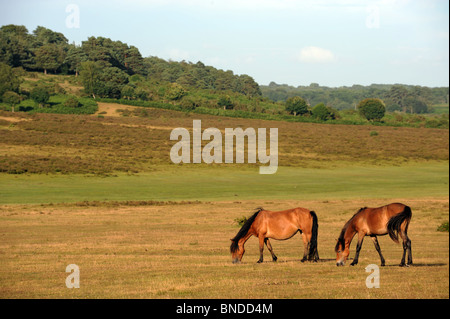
342	252
237	251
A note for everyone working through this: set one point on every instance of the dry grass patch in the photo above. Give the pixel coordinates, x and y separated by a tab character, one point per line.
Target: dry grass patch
182	251
141	144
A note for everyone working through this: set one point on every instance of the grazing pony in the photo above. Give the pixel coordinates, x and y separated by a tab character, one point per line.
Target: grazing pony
392	219
279	225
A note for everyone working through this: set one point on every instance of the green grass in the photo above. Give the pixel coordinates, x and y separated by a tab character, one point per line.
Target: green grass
441	108
232	183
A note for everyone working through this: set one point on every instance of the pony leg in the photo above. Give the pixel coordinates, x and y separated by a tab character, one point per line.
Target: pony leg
269	246
406	247
358	248
316	255
261	248
377	247
306	244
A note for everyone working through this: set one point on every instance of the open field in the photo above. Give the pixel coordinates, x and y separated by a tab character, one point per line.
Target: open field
175	183
181	251
84	189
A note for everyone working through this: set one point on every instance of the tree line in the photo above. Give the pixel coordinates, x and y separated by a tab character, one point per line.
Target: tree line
116	70
397	97
107	65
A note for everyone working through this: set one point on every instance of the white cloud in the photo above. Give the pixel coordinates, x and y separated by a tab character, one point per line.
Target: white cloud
313	54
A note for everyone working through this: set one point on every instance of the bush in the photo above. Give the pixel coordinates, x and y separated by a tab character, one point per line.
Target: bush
225	102
72	102
11	98
372	109
443	227
40	95
175	92
241	220
296	105
188	104
323	112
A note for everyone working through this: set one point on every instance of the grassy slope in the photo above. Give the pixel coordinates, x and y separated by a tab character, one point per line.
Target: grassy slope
49	143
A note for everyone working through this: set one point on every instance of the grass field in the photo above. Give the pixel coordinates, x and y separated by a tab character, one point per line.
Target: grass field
176	183
182	251
84	190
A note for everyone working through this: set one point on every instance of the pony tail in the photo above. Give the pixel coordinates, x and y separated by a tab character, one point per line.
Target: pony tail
396	221
243	231
314	232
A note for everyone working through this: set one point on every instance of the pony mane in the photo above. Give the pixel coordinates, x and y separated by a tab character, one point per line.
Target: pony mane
244	230
341	240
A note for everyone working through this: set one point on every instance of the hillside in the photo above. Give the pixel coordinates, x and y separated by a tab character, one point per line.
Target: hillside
139	141
75	77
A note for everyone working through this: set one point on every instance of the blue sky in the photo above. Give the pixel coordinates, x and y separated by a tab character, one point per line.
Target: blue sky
297	42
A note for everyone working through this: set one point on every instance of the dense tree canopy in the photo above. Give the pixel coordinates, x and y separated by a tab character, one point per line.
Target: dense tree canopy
114	69
397	97
48	51
9	81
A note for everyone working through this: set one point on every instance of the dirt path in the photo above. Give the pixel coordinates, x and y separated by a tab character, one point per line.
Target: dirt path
13	119
111	109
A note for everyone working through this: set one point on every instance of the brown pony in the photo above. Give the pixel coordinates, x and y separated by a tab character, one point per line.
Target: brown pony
280	225
392	219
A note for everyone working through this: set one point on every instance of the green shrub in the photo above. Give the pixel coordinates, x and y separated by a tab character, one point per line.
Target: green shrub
40	95
372	109
240	220
72	102
225	102
296	105
11	98
323	112
443	227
